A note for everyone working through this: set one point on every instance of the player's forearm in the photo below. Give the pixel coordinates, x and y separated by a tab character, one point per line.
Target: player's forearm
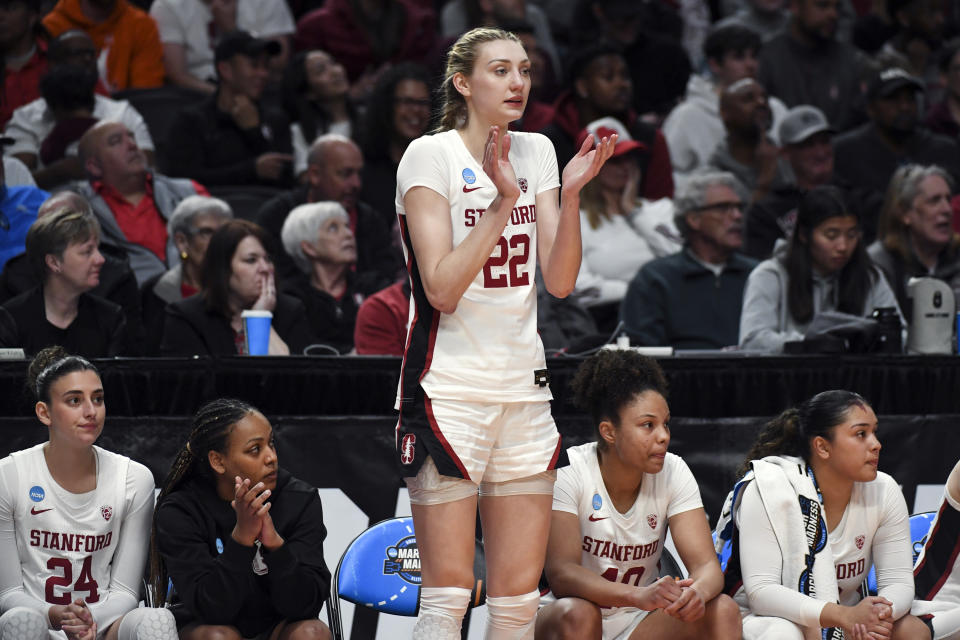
574	580
454	272
565	249
707	580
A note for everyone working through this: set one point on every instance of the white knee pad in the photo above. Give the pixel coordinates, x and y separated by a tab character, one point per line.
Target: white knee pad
441	613
148	623
512	617
23	623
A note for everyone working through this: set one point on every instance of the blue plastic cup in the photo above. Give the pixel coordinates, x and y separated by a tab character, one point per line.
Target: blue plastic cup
256	331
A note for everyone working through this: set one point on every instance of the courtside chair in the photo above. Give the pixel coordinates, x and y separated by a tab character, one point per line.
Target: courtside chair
380	569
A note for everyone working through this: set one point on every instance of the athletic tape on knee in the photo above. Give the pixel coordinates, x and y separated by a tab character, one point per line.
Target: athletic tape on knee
148	624
23	623
441	613
512	617
539	484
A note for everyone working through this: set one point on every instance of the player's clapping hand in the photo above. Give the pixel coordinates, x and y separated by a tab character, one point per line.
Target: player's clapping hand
688	607
661	594
496	163
250	504
584	166
268	534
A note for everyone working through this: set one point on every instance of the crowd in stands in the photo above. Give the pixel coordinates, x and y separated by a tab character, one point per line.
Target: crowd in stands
170	163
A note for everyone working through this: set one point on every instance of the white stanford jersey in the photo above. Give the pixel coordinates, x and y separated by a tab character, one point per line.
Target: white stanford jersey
65	541
875	529
623	547
488	349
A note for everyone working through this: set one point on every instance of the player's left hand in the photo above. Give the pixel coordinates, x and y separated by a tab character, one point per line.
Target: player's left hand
584	166
688	607
268	534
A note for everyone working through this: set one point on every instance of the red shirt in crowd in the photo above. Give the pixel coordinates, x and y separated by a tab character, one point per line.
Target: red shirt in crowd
141	223
22	85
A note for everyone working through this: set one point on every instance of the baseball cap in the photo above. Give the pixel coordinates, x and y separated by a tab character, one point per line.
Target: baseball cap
801	122
890	80
241	42
608	126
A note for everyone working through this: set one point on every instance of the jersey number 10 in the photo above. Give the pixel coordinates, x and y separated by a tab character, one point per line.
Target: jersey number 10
84	583
516	276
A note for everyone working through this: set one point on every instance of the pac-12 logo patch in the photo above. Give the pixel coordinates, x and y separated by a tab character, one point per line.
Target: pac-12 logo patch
597	502
407	448
37	494
859	542
652	520
523	184
107	512
403	560
469	176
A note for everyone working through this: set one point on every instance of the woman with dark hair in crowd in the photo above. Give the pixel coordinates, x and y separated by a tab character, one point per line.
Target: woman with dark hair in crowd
318	238
74	520
825	268
315	97
240	539
398	111
916	236
191	225
237	274
62	249
809	517
626	489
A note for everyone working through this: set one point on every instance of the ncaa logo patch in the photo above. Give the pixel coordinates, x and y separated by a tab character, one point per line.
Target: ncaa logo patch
469	176
37	494
597	502
407	448
859	542
403	560
107	512
652	520
523	184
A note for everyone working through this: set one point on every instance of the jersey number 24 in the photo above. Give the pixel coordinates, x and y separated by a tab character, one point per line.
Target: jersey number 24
85	581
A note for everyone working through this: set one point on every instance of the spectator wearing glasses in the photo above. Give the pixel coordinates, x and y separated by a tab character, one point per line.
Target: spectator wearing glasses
125	36
190	226
692	299
398	113
825	268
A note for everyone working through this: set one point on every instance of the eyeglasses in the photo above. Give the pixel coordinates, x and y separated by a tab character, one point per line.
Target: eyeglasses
203	232
726	208
423	103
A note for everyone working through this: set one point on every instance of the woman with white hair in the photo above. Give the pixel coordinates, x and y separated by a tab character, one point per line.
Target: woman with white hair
318	238
191	224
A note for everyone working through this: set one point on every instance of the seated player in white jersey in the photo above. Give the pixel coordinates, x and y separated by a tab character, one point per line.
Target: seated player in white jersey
611	510
239	538
74	520
808	519
937	574
478	208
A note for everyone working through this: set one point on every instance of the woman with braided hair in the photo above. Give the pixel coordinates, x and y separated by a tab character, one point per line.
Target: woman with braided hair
74	520
808	519
240	539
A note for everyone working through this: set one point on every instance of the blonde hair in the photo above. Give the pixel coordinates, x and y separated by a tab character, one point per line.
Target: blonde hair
462	58
591	201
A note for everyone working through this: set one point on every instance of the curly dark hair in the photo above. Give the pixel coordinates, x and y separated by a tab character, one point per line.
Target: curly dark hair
376	129
608	380
791	433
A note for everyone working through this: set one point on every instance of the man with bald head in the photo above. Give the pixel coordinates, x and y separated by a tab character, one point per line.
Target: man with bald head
334	168
747	151
131	202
